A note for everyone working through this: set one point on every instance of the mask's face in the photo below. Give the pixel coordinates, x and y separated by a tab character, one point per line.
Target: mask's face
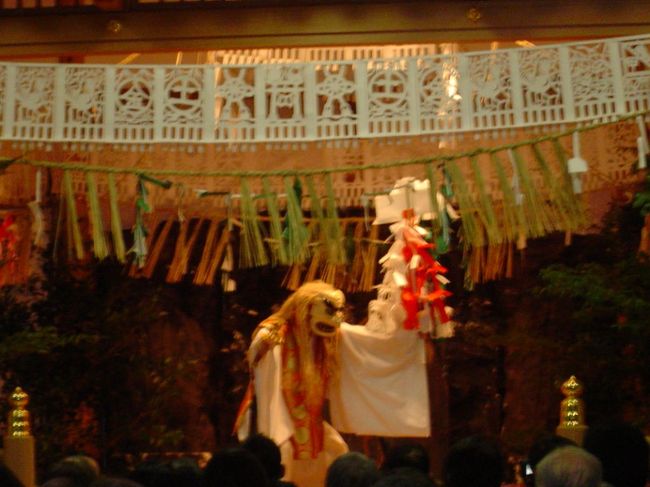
327	313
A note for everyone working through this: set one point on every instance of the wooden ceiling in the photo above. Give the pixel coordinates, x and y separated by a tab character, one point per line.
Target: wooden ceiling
148	26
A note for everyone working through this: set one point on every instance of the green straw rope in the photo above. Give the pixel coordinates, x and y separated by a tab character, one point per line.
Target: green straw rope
341	169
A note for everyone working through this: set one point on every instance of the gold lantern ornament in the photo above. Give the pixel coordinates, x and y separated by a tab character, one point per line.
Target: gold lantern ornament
572	411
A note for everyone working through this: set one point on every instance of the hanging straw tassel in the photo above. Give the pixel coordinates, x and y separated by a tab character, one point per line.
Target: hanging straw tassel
487	210
277	244
332	270
335	251
59	223
219	255
116	221
563	199
320	228
356	269
539	222
513	222
296	234
318	257
73	221
100	249
367	280
436	217
472	227
576	208
252	252
358	259
292	279
156	248
200	275
183	251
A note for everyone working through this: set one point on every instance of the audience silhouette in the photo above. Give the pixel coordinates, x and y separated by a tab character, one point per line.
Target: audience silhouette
568	466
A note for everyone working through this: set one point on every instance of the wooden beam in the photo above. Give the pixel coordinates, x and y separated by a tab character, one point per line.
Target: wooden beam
318	25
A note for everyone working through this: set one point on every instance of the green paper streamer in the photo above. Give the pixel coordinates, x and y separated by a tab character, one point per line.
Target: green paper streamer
295	233
100	249
471	226
116	221
252	253
279	250
139	249
73	221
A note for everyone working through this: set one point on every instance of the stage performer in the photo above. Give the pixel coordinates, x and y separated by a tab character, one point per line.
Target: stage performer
302	355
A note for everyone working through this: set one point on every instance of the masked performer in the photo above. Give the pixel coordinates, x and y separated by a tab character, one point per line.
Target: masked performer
303	355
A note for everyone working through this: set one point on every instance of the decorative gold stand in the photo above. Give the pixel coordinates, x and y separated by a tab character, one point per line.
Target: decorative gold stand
19	442
572	412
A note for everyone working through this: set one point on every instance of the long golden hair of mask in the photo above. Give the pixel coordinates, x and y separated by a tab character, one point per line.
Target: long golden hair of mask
296	311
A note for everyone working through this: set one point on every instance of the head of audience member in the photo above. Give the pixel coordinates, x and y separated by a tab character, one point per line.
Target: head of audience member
180	472
352	469
474	461
235	467
268	453
623	452
7	477
569	466
544	445
114	482
72	471
404	477
409	454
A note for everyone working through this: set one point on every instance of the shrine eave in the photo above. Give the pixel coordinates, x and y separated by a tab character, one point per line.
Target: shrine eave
156	29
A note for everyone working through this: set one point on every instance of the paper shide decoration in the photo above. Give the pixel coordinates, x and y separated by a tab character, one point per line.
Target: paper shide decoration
412	293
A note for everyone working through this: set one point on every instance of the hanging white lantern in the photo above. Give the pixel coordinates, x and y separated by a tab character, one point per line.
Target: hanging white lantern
576	166
642	142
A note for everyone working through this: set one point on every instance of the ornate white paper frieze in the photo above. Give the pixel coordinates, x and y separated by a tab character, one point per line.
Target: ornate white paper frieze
301	101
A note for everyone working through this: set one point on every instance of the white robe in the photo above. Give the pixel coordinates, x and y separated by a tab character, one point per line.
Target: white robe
382	390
